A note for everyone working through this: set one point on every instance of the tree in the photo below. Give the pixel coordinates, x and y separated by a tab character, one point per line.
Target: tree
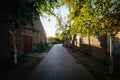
62	29
19	13
101	16
16	13
108	13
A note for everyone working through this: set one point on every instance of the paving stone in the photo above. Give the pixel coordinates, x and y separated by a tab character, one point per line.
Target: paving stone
58	64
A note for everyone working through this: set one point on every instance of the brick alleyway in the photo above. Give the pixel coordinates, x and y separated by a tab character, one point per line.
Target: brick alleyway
58	64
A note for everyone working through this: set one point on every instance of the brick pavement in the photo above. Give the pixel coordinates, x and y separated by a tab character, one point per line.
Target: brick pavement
58	64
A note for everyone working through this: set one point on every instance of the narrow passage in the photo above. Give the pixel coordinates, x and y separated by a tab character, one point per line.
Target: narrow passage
58	64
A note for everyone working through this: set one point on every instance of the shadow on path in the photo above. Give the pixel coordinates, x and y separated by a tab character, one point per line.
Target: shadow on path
58	64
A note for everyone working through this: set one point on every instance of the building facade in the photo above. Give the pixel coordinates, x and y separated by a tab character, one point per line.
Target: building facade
27	39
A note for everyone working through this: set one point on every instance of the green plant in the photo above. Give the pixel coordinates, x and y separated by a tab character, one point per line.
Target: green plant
42	48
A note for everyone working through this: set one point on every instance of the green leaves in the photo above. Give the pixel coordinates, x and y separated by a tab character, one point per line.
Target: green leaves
47	6
17	12
100	16
25	9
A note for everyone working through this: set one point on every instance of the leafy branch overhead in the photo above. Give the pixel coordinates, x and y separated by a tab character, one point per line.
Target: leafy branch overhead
95	17
101	16
15	14
22	12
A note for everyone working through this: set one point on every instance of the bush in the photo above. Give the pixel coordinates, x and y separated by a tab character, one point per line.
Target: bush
10	61
42	48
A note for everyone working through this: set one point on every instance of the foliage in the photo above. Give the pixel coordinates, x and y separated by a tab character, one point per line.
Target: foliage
47	6
108	14
9	62
100	16
16	12
62	31
42	48
59	36
95	17
63	27
22	12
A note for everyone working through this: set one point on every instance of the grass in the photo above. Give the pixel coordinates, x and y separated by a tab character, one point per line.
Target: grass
43	48
21	70
97	68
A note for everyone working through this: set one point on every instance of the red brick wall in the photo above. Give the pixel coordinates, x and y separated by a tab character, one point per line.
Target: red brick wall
37	33
38	37
97	51
6	44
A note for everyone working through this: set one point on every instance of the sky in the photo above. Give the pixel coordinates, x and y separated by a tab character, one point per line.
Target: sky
49	26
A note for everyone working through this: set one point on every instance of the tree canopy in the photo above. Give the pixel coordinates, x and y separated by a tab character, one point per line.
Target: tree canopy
95	17
15	14
22	12
99	16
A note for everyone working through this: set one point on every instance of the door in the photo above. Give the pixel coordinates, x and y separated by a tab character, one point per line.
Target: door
27	44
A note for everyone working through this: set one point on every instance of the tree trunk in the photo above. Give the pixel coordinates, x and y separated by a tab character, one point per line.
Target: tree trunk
111	54
14	46
74	43
89	40
88	34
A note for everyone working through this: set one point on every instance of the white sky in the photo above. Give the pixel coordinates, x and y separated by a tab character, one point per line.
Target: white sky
49	26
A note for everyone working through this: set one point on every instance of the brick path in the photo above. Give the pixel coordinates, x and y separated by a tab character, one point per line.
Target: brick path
58	64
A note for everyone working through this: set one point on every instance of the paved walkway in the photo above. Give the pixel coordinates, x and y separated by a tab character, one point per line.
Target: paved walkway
58	64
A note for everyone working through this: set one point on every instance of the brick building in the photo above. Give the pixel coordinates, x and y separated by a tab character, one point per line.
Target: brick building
27	39
33	36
